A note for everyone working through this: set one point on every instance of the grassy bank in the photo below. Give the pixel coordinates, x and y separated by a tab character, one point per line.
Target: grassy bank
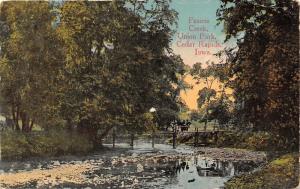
281	173
18	145
260	141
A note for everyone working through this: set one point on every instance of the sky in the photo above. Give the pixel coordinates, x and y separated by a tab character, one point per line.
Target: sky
202	10
197	9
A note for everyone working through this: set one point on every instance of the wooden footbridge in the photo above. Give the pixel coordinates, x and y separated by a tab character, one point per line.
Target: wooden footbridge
201	137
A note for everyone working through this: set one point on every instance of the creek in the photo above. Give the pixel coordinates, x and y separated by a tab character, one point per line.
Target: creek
142	167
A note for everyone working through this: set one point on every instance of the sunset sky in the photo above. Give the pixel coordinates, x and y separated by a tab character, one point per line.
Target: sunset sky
202	10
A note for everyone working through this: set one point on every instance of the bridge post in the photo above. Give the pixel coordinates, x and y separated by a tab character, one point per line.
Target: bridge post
174	137
131	142
153	136
216	137
196	138
114	137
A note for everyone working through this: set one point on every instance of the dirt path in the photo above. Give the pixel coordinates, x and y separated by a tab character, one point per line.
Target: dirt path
54	176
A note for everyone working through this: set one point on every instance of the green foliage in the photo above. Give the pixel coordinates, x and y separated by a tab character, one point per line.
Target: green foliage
205	95
30	61
17	145
165	116
118	68
264	65
215	108
195	115
280	173
220	110
90	65
260	141
230	139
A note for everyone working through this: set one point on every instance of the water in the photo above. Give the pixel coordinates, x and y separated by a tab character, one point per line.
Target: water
144	167
188	171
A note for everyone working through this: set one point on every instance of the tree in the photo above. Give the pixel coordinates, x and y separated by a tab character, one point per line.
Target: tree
29	62
165	116
208	76
195	115
220	110
264	66
91	65
119	64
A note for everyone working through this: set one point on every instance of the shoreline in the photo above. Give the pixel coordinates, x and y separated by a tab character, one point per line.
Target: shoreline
75	172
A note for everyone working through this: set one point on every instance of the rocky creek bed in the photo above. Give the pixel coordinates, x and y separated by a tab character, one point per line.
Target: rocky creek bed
162	167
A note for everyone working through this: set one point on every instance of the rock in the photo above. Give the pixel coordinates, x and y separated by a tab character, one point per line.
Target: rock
114	162
56	163
54	183
27	166
72	162
135	181
95	179
39	166
140	168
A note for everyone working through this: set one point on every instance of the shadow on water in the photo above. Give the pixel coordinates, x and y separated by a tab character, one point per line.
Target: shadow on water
192	172
187	172
202	172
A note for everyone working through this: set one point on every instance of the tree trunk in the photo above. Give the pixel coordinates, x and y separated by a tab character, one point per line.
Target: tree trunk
31	125
69	125
17	119
215	123
105	132
206	120
98	138
91	133
15	115
25	122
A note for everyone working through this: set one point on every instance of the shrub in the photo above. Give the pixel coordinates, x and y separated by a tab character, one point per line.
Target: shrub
281	173
229	139
260	141
18	145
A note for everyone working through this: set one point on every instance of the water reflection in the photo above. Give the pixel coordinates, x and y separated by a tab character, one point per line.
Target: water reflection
205	173
192	172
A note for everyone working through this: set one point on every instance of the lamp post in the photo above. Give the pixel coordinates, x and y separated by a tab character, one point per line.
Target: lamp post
153	110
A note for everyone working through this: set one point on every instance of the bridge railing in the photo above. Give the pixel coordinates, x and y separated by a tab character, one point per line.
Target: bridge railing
165	137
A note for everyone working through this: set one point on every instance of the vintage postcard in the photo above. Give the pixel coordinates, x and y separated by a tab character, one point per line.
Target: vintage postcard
149	94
